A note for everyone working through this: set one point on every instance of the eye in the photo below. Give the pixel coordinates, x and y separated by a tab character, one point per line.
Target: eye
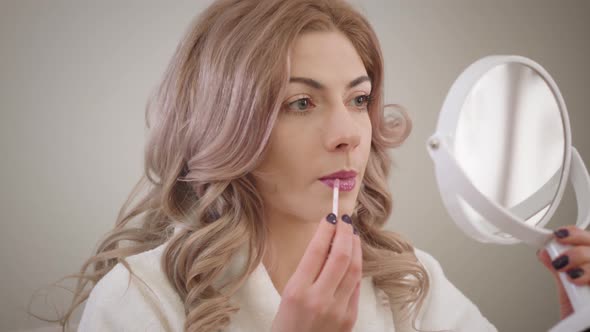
361	101
300	105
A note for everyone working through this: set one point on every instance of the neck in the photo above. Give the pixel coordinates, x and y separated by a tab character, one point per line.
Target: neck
287	240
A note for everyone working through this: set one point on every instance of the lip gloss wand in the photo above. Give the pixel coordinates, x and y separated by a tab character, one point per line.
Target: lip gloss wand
335	197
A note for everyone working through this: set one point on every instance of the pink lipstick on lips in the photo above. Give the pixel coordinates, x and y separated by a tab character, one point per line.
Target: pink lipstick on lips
347	180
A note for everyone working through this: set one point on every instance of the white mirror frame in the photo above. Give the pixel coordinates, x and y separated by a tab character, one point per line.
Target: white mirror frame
454	185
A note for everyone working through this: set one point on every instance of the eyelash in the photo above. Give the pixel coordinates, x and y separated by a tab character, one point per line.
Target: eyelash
366	102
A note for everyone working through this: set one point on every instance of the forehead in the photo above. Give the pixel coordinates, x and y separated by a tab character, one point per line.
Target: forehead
329	57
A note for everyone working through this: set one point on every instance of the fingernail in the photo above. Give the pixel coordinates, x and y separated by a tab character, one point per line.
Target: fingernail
561	233
575	273
354	231
346	219
560	262
331	218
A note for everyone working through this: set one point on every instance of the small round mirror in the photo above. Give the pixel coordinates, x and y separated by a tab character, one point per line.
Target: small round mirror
510	142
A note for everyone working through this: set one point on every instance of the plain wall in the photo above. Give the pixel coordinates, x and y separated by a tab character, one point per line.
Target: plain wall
75	77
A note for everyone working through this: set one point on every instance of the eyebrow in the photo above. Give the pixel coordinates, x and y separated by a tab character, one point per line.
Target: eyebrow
317	85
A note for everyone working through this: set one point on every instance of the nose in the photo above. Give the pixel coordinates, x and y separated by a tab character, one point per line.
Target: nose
342	130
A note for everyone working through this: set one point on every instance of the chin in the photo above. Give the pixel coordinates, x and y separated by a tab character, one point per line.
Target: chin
345	207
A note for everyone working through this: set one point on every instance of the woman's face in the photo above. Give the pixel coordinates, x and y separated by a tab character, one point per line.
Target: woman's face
323	128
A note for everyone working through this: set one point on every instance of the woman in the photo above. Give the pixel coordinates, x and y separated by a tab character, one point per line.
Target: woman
261	104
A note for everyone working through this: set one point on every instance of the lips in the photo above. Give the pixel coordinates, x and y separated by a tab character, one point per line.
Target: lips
347	180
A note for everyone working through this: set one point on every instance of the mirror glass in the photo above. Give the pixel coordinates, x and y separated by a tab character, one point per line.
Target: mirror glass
510	142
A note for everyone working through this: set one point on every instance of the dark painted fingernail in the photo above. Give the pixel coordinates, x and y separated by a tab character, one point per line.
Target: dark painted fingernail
331	218
354	231
560	262
561	233
346	219
575	273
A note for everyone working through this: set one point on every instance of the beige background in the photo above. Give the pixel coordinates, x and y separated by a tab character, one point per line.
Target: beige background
75	76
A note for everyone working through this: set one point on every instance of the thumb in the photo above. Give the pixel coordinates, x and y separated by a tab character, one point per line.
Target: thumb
544	258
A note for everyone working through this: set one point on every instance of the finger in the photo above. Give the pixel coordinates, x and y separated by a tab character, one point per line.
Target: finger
316	252
353	306
353	275
545	259
564	302
572	258
572	235
579	275
338	260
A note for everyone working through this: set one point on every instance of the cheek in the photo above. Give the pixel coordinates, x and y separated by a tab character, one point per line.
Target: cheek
365	147
285	157
367	136
289	153
282	171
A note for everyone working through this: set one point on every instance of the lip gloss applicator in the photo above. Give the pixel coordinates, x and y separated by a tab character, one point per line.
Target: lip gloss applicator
335	197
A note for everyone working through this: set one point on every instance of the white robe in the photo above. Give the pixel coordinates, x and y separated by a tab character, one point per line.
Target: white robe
116	305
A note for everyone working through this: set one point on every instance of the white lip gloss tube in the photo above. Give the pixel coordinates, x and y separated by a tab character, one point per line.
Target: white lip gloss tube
335	197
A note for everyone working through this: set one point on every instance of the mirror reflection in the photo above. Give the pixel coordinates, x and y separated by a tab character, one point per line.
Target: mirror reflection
510	141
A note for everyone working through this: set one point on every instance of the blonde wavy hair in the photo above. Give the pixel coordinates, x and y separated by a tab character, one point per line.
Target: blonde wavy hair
210	121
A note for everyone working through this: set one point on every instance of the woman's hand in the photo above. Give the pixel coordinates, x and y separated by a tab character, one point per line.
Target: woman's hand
575	261
322	294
